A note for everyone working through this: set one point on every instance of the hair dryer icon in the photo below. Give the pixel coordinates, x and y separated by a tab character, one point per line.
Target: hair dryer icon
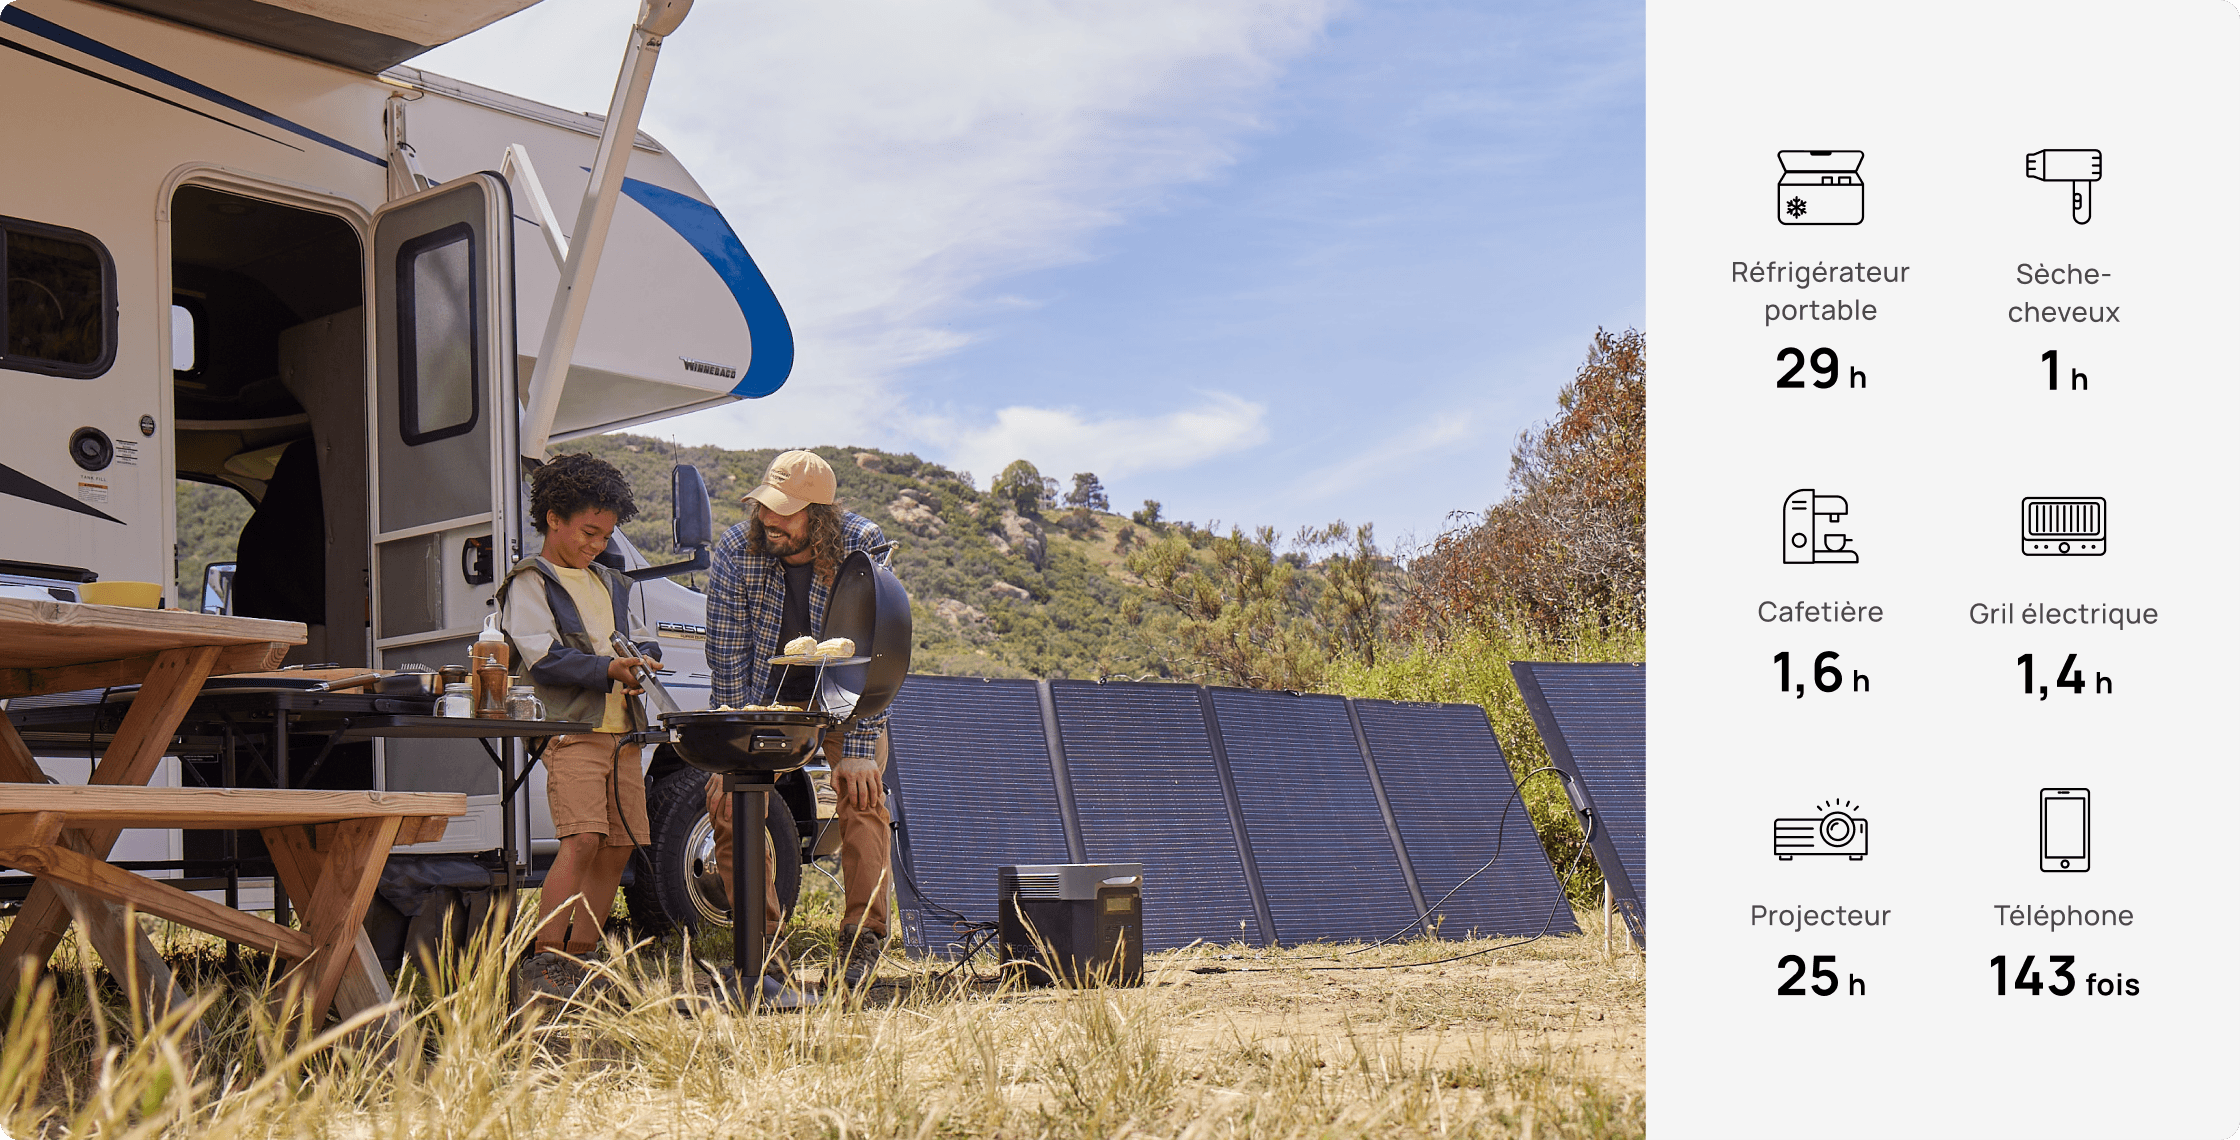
2079	168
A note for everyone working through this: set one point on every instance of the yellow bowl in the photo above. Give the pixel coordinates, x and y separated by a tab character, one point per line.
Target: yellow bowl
139	595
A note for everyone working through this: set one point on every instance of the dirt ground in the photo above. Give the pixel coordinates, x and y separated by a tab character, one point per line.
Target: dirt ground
1556	999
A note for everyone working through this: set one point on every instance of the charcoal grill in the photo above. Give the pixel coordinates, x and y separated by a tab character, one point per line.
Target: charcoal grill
751	748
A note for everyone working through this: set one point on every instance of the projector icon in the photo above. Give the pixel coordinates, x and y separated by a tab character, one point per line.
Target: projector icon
1835	832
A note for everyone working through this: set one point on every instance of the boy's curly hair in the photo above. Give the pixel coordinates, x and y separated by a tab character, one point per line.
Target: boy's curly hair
571	484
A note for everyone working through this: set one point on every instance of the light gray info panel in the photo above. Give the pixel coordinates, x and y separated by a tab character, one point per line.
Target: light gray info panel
446	477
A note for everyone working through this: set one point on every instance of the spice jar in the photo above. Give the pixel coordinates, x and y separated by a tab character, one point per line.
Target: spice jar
522	704
457	700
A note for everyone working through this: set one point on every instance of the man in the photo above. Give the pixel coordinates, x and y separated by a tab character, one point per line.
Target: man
771	578
559	609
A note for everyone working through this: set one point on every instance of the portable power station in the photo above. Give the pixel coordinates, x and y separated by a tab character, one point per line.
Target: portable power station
1077	923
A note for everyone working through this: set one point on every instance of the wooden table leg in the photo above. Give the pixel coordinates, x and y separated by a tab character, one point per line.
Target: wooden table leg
170	686
301	868
334	910
117	937
16	764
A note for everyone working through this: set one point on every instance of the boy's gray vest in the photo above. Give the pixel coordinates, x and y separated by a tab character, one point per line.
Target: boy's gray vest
569	672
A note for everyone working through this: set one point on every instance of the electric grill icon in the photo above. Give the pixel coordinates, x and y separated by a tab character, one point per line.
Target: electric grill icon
2072	525
1834	832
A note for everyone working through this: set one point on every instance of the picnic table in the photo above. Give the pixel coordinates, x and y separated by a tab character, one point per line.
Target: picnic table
64	834
232	710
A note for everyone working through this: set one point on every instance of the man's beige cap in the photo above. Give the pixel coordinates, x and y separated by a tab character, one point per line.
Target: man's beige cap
796	479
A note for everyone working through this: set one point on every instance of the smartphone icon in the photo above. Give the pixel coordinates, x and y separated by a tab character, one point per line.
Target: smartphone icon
2065	829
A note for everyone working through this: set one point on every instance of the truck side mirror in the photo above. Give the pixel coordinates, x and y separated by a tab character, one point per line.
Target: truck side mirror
693	521
692	524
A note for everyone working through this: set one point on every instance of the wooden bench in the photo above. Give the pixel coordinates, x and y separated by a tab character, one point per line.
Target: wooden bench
328	848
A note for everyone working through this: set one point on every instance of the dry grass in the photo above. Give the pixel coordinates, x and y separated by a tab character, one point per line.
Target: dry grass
1541	1040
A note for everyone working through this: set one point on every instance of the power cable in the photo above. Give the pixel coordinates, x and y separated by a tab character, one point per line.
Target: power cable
1500	836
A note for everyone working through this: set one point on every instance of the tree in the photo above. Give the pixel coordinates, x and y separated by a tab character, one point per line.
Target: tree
1570	538
1348	609
1236	600
1087	493
1023	487
1148	517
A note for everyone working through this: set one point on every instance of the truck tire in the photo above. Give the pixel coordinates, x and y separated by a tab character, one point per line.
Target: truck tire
665	893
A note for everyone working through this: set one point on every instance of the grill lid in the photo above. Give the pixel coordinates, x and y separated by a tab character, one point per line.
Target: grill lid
869	607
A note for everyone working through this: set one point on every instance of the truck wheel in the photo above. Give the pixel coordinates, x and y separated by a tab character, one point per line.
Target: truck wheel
667	892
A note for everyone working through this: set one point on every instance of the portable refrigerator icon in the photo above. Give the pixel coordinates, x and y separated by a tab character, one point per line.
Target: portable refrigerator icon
1821	188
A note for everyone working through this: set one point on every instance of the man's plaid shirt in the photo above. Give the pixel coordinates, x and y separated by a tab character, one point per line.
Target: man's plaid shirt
747	606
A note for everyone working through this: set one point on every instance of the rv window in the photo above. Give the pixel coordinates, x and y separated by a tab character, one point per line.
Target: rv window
182	339
437	357
60	317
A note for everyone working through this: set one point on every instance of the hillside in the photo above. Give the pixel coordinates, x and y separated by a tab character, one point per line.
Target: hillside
993	593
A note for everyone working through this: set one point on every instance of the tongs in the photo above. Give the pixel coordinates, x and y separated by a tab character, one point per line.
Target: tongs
663	703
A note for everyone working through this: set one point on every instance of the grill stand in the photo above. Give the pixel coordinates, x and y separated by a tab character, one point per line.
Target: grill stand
750	800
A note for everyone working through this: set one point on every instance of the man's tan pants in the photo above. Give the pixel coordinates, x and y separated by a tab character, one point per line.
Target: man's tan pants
866	848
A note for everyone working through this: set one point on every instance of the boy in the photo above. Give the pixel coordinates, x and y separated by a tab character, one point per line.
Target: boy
559	609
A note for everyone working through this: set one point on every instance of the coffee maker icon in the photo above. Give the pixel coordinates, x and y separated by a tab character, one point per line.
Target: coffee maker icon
1808	534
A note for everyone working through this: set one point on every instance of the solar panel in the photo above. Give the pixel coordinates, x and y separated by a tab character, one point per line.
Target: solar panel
1444	775
1319	839
974	791
1594	719
1149	791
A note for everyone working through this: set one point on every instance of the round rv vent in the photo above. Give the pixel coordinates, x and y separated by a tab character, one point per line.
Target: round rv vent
91	448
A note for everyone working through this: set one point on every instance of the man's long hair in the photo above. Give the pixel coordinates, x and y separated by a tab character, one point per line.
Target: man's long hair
824	537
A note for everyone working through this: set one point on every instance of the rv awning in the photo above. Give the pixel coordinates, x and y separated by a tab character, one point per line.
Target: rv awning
364	35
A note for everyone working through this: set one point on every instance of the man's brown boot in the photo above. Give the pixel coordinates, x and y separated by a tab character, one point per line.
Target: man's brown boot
859	951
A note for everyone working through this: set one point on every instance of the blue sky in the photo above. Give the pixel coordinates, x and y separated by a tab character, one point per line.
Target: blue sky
1267	261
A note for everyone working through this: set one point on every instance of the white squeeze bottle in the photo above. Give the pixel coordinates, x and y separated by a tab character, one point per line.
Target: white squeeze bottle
490	655
491	648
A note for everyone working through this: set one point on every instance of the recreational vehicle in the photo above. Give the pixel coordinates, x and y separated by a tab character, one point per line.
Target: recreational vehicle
246	244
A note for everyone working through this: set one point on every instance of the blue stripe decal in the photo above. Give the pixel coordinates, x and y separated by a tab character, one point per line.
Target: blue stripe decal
702	225
101	51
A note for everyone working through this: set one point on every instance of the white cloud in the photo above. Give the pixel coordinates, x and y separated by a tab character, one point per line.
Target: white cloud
1060	441
888	161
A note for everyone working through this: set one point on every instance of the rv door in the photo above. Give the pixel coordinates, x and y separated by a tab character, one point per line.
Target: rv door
444	468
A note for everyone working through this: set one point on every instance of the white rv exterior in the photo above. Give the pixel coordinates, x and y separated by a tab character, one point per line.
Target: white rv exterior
297	250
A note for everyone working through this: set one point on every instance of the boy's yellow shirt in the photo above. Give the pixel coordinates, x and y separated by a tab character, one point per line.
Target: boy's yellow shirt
597	608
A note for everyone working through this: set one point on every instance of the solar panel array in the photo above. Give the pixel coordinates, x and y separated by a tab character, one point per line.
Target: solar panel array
1271	817
1454	800
1594	718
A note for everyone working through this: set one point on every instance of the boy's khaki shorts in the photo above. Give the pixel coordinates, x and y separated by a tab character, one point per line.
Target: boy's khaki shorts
594	791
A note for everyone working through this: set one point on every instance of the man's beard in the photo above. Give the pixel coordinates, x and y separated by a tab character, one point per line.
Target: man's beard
780	544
